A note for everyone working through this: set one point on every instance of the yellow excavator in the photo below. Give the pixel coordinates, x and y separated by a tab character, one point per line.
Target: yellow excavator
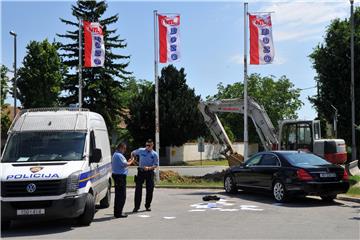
302	135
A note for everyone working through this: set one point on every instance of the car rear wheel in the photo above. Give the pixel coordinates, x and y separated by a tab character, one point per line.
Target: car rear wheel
279	191
229	184
328	198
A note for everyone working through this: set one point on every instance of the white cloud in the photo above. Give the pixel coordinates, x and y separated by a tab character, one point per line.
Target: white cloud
301	21
237	59
10	75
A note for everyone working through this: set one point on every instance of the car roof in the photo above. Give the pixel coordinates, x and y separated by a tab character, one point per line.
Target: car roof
282	152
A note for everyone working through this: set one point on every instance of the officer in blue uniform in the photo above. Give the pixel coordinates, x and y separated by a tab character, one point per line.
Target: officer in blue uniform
119	173
149	161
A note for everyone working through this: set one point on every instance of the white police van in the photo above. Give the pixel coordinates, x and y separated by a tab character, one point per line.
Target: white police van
56	164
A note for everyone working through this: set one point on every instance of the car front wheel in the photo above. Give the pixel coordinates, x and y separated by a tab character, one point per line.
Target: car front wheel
279	191
229	184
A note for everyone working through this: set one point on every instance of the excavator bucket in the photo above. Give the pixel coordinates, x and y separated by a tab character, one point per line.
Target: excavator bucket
353	168
235	159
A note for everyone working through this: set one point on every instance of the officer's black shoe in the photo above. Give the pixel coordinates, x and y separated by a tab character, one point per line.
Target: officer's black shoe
135	210
121	216
148	209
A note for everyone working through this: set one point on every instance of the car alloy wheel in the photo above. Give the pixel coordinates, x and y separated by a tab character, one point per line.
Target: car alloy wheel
229	185
279	191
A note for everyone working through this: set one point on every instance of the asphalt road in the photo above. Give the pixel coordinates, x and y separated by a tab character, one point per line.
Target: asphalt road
181	214
186	171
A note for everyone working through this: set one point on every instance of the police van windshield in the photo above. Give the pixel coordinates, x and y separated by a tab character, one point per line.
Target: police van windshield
44	146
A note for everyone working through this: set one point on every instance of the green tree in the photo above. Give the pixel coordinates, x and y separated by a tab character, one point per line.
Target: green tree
331	60
4	83
101	85
279	98
180	119
5	121
40	78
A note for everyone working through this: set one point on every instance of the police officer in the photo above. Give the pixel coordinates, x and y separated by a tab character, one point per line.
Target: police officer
149	161
119	173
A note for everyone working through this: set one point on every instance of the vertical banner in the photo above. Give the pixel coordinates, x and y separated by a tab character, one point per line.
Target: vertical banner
261	41
94	45
169	38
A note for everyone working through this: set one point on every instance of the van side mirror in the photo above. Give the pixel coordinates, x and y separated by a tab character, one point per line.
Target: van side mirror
96	156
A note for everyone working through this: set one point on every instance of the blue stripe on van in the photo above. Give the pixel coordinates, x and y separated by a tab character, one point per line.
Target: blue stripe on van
94	175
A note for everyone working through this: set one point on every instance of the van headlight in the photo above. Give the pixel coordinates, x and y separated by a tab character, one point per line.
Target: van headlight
73	183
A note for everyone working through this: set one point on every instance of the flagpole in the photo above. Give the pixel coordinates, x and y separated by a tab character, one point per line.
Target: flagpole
80	63
246	141
157	125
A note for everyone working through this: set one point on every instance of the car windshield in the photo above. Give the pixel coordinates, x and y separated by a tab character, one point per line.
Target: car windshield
44	146
304	159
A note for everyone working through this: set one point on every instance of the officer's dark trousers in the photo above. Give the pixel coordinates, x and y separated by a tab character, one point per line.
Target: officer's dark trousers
142	176
120	193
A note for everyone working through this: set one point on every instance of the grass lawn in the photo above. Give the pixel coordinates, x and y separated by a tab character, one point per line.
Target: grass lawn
354	190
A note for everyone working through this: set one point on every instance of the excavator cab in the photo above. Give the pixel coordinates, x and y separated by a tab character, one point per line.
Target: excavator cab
299	134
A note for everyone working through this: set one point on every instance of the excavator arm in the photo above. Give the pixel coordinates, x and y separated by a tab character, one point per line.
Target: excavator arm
256	112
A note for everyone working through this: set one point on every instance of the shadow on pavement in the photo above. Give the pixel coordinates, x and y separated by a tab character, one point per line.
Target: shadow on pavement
266	198
295	202
36	228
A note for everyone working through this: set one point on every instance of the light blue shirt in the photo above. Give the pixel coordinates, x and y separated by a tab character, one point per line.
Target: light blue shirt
119	163
147	158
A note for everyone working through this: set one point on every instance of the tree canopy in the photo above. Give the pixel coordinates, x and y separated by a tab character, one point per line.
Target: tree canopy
101	85
41	77
180	119
5	121
4	83
279	98
331	60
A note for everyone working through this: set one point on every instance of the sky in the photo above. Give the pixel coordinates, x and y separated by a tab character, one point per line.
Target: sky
212	37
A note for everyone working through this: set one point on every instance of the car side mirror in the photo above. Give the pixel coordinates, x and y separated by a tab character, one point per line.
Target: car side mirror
96	156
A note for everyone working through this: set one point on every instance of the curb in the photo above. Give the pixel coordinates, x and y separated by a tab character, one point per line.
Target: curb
170	167
339	197
181	187
348	198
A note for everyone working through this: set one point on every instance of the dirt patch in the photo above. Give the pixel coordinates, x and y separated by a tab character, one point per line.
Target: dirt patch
174	177
215	177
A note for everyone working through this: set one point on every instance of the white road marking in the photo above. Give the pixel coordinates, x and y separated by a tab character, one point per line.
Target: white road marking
169	218
250	208
229	210
196	210
144	216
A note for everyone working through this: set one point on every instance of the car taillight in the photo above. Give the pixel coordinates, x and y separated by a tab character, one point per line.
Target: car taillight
303	175
345	176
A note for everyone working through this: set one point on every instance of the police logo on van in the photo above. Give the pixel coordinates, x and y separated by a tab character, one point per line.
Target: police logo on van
35	169
33	176
30	188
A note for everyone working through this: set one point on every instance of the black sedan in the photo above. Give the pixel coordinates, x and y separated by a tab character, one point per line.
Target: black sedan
288	173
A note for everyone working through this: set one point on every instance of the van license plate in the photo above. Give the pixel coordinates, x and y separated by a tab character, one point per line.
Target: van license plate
30	211
327	175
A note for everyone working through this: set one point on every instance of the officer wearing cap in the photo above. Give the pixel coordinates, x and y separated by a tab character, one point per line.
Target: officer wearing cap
119	173
149	161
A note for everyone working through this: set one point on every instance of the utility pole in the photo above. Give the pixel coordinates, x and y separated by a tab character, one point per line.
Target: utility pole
15	72
246	136
353	146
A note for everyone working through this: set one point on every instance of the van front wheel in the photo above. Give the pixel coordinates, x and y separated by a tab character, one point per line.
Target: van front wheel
89	211
105	202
